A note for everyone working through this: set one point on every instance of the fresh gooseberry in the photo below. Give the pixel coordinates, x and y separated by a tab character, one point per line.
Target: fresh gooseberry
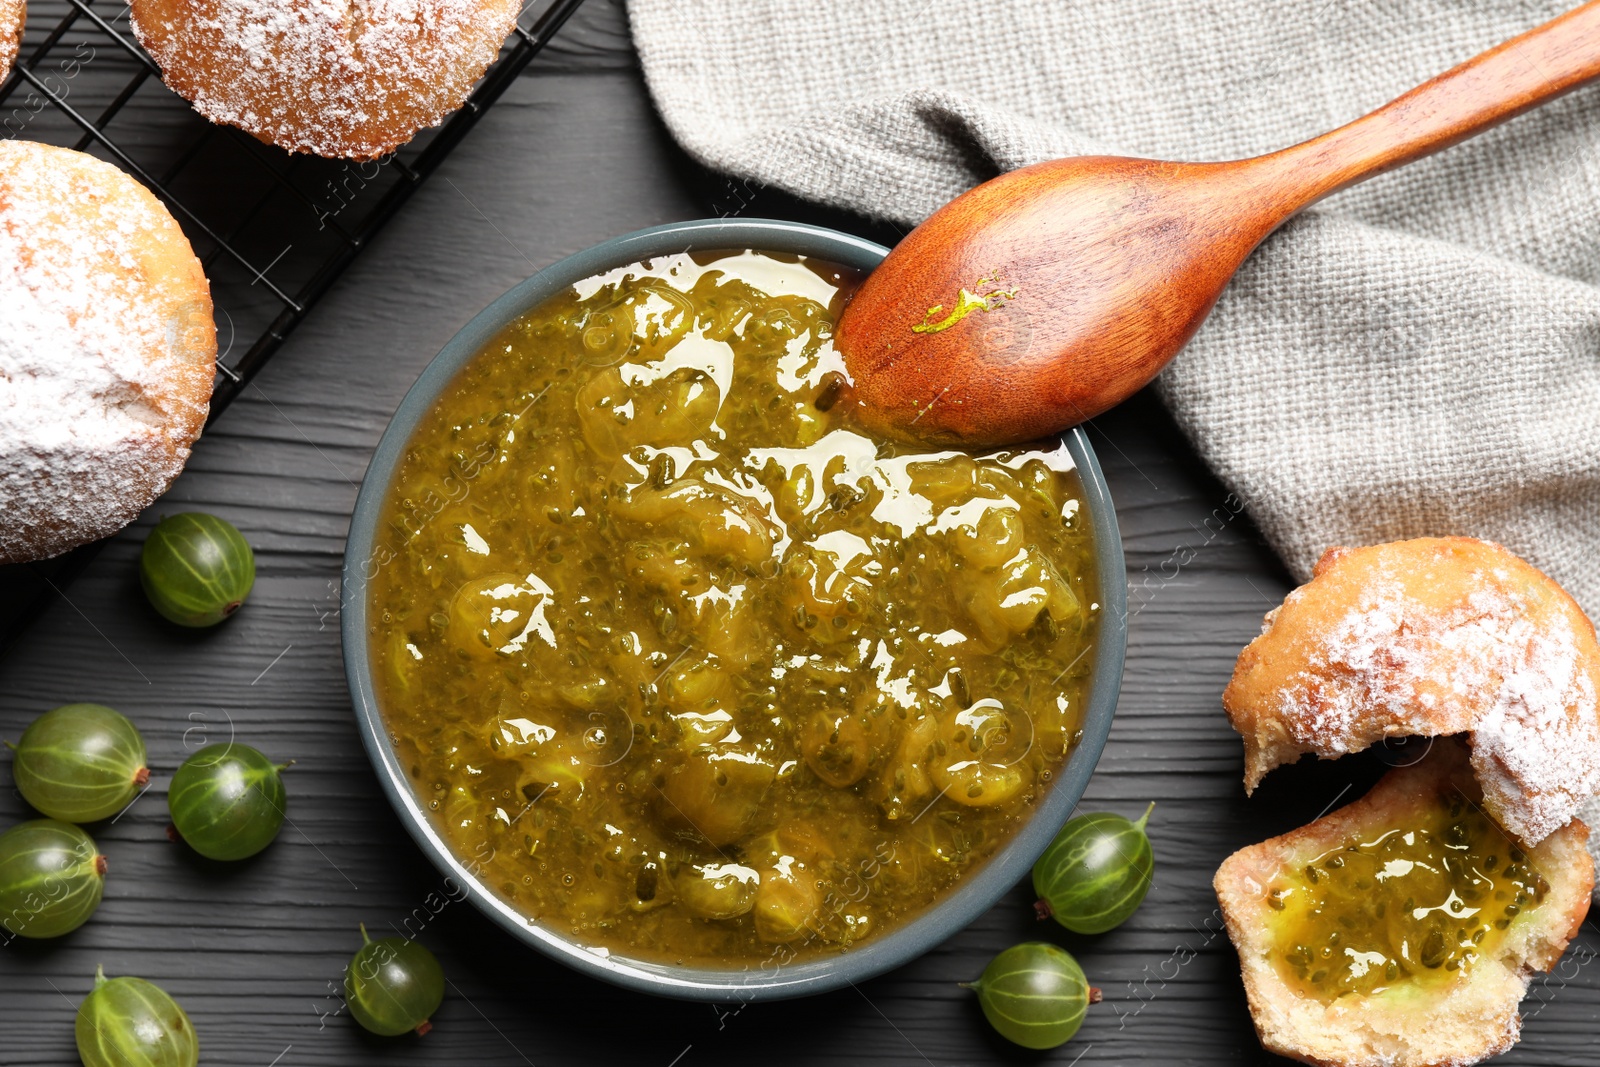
51	878
80	763
1035	994
227	802
1095	873
128	1022
393	985
196	569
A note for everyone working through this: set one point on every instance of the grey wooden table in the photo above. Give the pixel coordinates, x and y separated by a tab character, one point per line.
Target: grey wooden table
255	951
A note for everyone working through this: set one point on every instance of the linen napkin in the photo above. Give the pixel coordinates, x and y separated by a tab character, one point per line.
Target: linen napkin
1417	355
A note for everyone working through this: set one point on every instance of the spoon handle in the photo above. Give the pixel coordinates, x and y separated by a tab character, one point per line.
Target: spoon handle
1488	89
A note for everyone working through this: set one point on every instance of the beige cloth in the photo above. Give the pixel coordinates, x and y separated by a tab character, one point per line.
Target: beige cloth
1418	355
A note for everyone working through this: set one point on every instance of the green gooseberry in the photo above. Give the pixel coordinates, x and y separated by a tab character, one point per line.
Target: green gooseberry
1035	994
80	763
128	1022
196	569
1095	874
393	985
228	801
51	878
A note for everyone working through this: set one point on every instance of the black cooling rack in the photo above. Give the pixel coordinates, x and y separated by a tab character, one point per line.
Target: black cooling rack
273	229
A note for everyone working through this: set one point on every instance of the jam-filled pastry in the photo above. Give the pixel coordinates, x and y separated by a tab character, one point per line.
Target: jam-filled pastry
1434	636
1402	930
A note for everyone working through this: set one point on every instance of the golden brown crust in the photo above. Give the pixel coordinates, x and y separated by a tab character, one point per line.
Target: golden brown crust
1432	636
340	78
108	354
13	13
1453	1025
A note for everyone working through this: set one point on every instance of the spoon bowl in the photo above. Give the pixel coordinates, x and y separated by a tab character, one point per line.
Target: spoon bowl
1027	304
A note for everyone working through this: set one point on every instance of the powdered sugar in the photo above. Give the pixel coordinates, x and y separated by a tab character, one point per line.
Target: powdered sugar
1362	647
350	78
1535	748
97	389
1503	664
12	13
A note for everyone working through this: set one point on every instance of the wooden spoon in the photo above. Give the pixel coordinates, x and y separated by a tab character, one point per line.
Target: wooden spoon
1051	293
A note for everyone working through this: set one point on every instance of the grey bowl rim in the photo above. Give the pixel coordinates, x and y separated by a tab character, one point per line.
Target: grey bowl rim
972	896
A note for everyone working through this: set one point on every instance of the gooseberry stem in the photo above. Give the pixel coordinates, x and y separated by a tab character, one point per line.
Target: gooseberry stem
285	766
1146	816
99	974
365	940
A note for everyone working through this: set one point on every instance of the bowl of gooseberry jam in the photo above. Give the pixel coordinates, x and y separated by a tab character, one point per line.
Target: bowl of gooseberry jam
686	679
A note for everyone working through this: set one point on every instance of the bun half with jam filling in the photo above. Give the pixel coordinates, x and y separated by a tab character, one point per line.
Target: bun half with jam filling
1403	929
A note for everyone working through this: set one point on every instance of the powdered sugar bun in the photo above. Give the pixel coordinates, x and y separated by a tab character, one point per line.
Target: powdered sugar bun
340	78
107	349
12	15
1434	636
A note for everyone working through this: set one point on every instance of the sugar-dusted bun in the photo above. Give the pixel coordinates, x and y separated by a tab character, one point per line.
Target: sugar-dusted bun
1407	1023
107	349
1434	636
341	78
12	15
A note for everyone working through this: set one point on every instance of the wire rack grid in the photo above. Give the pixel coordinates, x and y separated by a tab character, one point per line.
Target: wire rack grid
273	230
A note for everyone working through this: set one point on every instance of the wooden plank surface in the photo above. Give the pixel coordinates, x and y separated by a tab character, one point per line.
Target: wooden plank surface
255	951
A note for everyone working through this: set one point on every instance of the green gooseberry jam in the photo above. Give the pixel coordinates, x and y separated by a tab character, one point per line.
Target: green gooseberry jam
393	985
1095	874
228	801
51	878
1415	904
129	1022
80	763
196	569
647	580
1035	995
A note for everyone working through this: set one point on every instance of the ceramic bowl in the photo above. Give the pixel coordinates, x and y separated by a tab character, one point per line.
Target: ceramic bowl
974	894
